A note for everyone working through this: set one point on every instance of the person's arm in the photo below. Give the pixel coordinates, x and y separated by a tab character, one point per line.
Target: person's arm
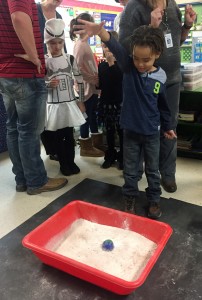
51	83
78	79
156	17
189	18
23	27
165	115
115	47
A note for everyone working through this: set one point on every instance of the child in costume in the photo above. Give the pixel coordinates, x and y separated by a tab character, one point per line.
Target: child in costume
62	111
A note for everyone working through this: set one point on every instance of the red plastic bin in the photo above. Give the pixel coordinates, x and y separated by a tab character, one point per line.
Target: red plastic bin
56	225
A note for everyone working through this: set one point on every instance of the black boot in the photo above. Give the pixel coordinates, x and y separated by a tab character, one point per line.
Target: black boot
110	158
71	156
62	156
66	152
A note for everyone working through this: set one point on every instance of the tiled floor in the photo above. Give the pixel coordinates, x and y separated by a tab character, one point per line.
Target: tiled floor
15	208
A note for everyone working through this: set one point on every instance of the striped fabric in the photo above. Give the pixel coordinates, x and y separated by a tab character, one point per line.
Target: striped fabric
11	66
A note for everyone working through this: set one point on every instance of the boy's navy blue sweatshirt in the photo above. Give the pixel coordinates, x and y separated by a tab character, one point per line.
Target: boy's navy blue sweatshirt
145	107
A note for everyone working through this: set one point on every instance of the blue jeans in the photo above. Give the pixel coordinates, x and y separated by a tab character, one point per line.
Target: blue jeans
133	145
91	121
25	103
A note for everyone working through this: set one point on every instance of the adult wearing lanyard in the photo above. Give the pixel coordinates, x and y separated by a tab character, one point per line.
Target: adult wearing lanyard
167	16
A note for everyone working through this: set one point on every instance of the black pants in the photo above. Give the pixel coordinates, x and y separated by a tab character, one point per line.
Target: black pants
110	136
61	143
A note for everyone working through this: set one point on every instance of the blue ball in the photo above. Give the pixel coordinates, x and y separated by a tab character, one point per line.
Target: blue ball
108	245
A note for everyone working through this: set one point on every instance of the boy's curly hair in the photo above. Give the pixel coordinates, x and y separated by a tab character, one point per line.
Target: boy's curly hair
149	37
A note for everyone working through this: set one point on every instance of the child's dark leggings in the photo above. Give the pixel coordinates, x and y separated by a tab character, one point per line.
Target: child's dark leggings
61	143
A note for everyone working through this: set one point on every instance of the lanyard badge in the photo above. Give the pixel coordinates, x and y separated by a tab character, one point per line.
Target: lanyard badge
167	32
168	39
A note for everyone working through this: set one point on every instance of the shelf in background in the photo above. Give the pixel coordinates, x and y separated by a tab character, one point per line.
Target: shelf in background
194	124
199	90
189	153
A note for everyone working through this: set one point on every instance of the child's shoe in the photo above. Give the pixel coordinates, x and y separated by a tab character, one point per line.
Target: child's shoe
110	157
75	169
129	204
66	171
154	210
107	164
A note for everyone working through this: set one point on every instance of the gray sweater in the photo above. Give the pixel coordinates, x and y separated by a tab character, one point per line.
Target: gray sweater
138	13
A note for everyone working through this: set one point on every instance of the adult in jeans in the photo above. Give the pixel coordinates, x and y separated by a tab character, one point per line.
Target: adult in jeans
166	15
24	93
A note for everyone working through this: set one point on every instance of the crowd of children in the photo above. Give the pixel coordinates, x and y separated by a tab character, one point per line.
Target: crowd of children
138	100
132	103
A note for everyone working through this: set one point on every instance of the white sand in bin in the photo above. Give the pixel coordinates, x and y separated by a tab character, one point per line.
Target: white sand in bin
83	243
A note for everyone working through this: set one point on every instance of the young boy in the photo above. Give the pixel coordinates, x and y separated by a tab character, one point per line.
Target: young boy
144	109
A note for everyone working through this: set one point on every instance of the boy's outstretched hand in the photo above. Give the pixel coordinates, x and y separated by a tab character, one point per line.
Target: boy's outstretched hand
91	29
170	134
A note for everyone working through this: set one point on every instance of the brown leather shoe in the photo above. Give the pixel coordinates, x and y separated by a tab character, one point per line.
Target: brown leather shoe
169	187
53	184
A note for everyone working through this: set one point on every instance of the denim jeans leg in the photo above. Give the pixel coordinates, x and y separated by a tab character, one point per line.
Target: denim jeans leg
132	145
168	148
151	156
25	101
91	121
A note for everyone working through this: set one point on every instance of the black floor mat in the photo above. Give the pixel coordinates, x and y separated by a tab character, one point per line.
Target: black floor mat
177	274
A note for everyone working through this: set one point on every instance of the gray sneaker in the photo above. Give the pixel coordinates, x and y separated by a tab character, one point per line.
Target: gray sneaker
129	204
53	184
